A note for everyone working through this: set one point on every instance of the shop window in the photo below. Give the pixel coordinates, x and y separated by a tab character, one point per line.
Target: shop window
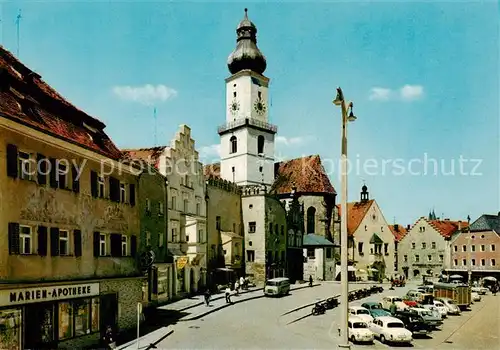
65	321
82	317
63	242
77	318
26	240
95	315
10	329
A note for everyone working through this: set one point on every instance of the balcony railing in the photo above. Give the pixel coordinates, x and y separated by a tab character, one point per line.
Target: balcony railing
248	121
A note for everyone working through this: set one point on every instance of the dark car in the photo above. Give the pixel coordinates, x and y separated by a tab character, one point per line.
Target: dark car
413	322
376	309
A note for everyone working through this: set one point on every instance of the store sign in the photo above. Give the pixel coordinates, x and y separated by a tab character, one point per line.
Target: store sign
181	262
49	293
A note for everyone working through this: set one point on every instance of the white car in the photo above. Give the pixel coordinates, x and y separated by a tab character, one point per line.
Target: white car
441	308
361	312
359	331
480	290
453	308
390	329
442	312
475	296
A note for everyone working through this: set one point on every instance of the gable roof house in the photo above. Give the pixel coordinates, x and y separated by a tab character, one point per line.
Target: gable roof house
371	241
425	249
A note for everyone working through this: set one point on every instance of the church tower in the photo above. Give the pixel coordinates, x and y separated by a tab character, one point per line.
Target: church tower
247	139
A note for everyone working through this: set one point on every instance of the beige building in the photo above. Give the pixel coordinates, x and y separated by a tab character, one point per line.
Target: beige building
186	241
68	211
426	247
372	244
319	261
224	224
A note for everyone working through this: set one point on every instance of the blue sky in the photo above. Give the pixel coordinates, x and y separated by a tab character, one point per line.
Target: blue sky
446	54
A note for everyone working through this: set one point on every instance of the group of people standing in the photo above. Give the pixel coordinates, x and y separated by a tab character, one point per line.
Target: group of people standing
241	283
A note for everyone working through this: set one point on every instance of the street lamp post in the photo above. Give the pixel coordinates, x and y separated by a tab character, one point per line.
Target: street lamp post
345	106
469	249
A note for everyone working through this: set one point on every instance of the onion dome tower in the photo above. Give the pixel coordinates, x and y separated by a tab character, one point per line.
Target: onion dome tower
246	55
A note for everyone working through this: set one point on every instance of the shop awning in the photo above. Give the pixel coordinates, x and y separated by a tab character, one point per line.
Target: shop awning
376	239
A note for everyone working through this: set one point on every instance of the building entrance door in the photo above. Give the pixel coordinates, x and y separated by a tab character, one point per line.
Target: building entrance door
108	310
39	326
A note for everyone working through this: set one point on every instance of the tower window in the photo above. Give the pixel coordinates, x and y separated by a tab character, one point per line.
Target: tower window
311	216
232	169
234	144
234	94
260	144
259	94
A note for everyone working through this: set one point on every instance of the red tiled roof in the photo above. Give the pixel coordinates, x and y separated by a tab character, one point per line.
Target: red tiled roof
212	170
48	111
307	174
447	227
399	233
149	155
356	211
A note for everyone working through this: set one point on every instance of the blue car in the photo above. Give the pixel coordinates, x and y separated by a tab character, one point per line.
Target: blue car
376	309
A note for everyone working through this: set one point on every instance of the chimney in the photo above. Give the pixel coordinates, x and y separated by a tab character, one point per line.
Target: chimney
396	227
460	225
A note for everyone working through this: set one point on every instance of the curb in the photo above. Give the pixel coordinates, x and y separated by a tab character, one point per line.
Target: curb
236	302
308	305
217	298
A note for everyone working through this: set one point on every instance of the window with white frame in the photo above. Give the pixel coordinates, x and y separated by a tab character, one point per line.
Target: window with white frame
62	175
160	239
26	240
423	245
429	257
455	262
123	193
492	247
174	234
405	257
413	245
124	245
102	245
441	258
433	245
464	248
483	248
100	186
464	262
25	165
63	242
417	258
493	262
160	208
483	262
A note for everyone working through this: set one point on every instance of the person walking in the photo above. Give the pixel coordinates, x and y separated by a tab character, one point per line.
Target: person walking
109	338
310	280
242	283
228	295
237	287
393	308
207	297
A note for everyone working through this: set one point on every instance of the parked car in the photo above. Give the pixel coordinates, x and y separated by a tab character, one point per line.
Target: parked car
390	329
413	295
452	308
433	319
376	309
359	331
398	301
277	286
475	296
433	308
361	312
441	308
413	322
480	290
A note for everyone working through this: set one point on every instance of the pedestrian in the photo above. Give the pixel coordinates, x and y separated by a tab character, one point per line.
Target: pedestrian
109	338
207	297
228	295
310	280
393	308
237	287
242	282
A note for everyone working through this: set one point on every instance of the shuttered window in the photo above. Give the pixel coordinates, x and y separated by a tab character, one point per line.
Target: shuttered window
53	173
41	169
77	241
114	189
75	179
116	244
13	238
12	170
133	245
42	240
97	236
93	184
132	194
54	241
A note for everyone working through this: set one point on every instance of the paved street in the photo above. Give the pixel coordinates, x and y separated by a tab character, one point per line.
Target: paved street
260	323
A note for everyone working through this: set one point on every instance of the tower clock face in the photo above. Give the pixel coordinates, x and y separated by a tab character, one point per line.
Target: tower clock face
234	107
260	107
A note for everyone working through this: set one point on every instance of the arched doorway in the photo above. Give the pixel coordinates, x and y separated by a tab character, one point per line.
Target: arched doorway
416	273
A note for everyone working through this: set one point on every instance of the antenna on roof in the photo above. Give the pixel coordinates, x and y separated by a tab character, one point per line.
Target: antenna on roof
154	116
18	24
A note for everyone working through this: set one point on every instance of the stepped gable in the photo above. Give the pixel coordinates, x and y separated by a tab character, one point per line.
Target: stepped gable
212	170
307	174
26	99
356	211
398	231
149	155
446	227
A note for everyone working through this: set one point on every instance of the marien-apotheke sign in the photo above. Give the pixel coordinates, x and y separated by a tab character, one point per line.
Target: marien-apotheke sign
48	293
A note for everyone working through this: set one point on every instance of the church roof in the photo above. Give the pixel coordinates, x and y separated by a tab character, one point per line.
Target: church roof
356	211
307	174
26	99
149	155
